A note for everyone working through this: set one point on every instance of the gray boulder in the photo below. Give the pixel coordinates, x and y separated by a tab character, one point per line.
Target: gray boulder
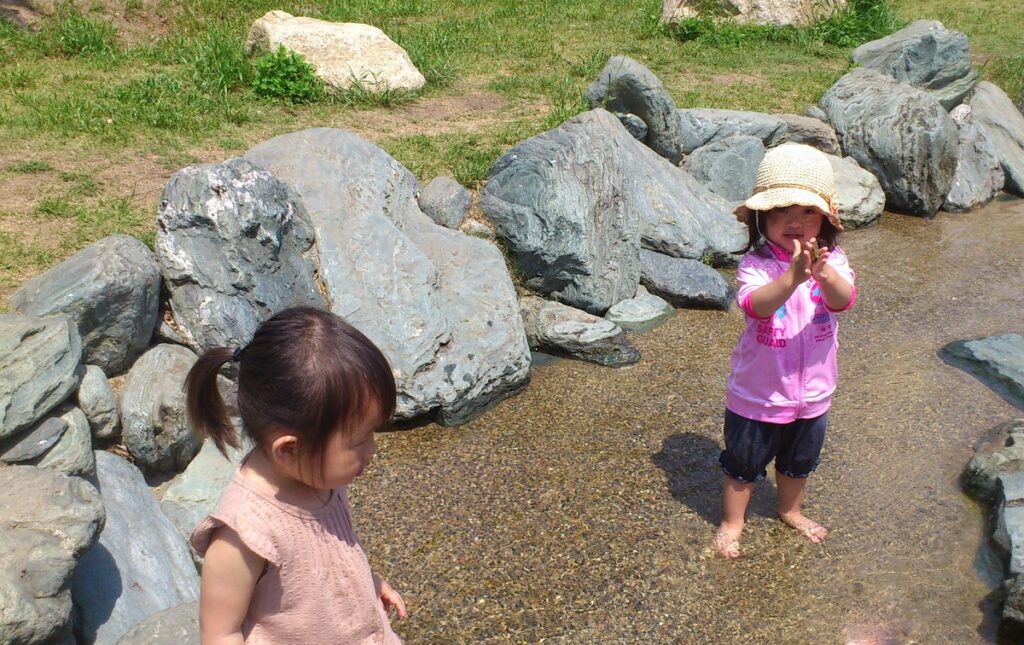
979	175
567	220
561	203
1009	528
47	520
445	201
728	167
139	566
684	283
625	85
153	410
1012	626
109	290
40	359
175	626
194	493
72	454
998	361
897	133
96	399
643	312
999	452
926	55
558	329
1004	126
439	304
32	442
679	216
701	126
811	131
860	198
235	246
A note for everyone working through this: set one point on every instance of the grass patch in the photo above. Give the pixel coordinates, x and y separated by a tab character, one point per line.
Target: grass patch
92	221
860	22
29	167
16	77
72	34
464	156
18	256
286	75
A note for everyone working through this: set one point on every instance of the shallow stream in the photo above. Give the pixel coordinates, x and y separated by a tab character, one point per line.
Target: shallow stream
582	510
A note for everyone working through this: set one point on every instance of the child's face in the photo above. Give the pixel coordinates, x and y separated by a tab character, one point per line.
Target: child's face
348	453
784	225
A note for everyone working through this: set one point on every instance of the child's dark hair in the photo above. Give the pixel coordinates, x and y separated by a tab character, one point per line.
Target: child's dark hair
827	236
306	370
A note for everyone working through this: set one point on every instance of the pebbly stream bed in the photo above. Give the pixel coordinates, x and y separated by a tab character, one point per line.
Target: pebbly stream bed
582	510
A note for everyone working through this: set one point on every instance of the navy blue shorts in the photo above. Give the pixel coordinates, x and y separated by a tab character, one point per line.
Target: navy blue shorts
751	445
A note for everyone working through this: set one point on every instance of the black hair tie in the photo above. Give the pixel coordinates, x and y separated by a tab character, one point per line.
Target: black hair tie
236	356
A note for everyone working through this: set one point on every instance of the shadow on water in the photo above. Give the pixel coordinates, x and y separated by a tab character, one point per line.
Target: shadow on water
690	462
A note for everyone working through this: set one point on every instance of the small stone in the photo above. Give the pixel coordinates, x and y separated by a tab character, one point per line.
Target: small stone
445	201
641	313
683	282
475	228
96	399
34	442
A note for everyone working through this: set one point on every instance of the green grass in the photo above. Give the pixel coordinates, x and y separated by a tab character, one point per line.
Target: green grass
78	88
29	167
859	22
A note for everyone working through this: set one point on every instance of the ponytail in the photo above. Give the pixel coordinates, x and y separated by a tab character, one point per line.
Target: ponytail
204	406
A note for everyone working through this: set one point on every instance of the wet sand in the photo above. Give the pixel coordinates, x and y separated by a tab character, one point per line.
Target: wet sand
582	510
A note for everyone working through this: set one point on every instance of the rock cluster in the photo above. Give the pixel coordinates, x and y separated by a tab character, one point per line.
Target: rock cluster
995	475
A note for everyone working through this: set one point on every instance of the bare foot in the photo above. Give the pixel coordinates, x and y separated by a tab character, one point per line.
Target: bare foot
727	542
810	529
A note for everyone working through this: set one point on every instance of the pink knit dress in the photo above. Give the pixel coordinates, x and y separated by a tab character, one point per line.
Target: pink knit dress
316	587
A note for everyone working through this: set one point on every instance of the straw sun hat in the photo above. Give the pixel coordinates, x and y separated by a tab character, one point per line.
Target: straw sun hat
793	174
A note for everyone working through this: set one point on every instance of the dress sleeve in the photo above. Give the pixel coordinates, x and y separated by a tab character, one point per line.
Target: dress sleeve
750	276
839	262
251	536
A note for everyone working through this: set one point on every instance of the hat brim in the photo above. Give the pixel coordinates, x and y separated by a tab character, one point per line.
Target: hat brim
782	197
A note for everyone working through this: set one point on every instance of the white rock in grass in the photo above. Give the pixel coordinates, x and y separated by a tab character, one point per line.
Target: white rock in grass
341	53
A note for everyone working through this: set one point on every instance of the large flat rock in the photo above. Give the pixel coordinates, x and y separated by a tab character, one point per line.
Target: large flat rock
997	360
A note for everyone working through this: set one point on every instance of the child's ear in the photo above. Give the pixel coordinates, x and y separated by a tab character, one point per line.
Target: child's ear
284	449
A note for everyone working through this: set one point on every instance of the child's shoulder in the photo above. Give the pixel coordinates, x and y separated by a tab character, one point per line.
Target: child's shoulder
754	258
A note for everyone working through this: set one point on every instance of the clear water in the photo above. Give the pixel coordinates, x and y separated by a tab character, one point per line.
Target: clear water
582	510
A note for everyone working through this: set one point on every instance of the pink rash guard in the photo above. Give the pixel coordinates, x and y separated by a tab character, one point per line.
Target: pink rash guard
784	366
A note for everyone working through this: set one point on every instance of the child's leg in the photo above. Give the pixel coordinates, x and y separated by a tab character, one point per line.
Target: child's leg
749	446
791	494
735	497
798	456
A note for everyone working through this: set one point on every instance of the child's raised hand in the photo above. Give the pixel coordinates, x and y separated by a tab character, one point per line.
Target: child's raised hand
800	264
391	598
819	267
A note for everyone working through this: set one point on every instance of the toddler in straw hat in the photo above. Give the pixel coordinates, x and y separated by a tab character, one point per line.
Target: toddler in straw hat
792	281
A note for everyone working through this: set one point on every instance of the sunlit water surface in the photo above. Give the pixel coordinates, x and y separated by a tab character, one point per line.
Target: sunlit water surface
581	511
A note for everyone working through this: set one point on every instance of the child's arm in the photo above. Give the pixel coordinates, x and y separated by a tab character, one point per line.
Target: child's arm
230	573
388	595
765	300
